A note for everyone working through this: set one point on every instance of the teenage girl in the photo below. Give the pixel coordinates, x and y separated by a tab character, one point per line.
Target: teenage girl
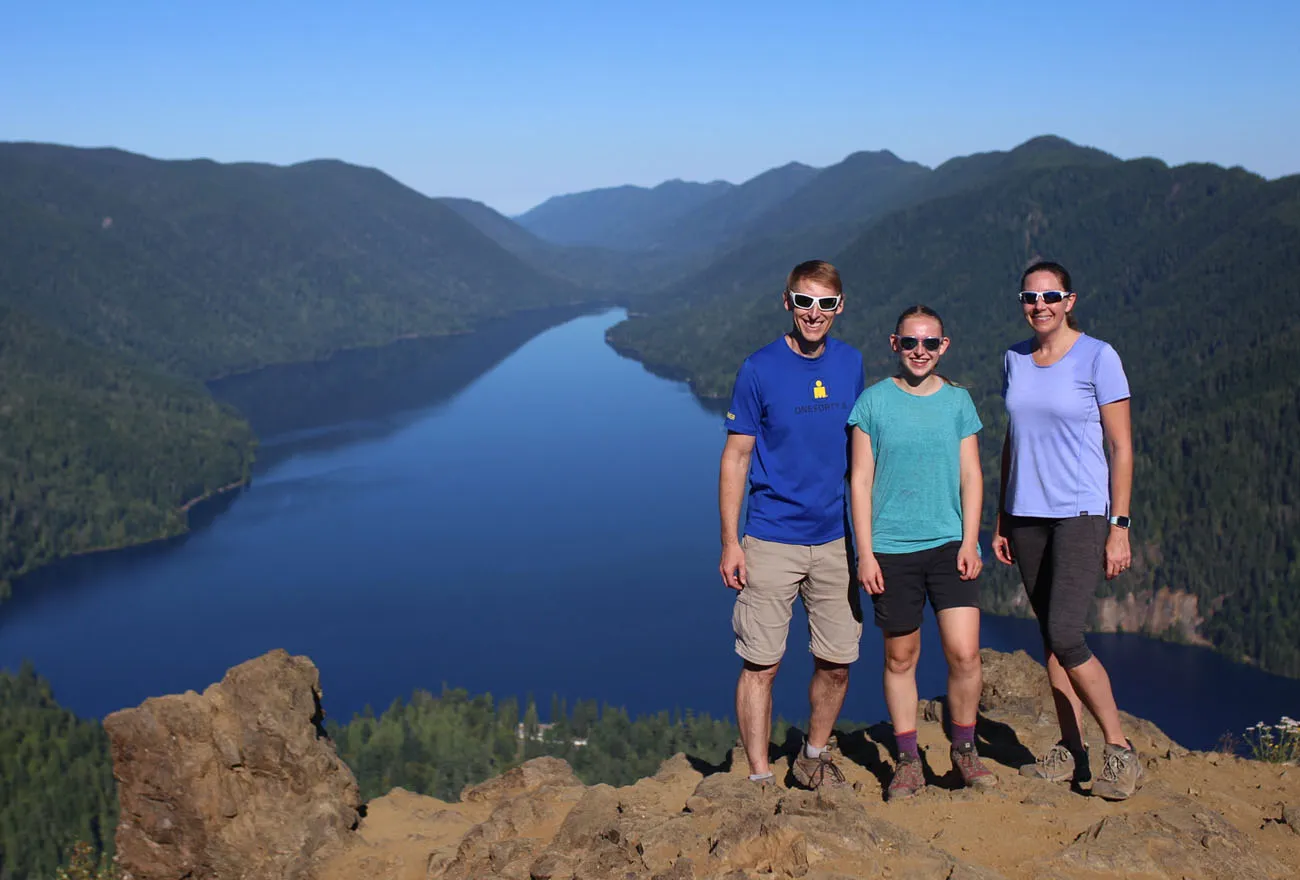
1064	515
916	491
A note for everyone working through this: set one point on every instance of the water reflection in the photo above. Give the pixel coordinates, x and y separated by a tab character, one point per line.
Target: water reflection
372	392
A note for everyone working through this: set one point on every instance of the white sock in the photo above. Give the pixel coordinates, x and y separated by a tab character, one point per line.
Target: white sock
759	777
810	752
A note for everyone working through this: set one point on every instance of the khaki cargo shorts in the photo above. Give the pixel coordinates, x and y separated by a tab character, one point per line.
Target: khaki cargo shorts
821	576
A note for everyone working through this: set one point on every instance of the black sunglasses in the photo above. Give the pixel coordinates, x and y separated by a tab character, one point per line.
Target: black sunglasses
907	343
1051	297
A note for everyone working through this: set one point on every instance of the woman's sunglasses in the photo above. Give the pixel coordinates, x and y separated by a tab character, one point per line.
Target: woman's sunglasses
1051	297
804	301
907	343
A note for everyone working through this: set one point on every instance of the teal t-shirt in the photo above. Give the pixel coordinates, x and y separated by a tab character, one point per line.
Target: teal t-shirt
916	442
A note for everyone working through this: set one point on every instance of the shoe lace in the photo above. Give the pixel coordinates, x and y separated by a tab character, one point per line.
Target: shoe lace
1114	766
825	765
1056	757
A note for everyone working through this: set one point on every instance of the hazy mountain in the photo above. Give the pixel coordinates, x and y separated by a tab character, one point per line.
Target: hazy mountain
853	191
621	217
731	215
605	271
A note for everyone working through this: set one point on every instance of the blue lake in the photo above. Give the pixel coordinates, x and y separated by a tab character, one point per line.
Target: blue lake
516	511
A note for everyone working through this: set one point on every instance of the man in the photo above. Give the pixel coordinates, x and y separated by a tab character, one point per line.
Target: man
788	416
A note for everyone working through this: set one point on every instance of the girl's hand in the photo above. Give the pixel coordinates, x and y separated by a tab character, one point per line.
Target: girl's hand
1118	555
969	563
870	575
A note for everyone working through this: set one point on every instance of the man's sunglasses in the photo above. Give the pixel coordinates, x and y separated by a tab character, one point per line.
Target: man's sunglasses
804	301
1051	297
907	343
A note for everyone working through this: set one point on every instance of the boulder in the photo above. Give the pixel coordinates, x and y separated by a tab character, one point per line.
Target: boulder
237	782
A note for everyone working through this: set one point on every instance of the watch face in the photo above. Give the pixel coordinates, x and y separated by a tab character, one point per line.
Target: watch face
1121	521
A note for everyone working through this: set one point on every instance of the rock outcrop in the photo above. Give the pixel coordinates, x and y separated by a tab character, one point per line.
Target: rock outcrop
1199	815
239	781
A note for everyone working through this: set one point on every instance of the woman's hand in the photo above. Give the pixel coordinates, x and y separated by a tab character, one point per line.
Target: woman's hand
1001	545
1118	555
870	575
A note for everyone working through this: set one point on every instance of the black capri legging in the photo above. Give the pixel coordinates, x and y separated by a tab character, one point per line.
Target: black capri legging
1061	562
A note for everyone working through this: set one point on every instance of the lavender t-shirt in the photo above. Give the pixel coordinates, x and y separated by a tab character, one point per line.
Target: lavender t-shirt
1058	466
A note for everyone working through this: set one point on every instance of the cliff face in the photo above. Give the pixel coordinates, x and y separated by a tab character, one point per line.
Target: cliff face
1159	613
239	784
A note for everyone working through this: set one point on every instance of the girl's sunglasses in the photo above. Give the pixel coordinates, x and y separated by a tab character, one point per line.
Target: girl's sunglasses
907	343
1051	297
804	301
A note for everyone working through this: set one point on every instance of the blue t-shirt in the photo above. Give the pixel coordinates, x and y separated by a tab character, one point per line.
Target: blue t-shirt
916	443
795	409
1058	467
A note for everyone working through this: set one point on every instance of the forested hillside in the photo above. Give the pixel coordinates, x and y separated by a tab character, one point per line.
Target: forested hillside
56	780
1192	273
96	452
208	269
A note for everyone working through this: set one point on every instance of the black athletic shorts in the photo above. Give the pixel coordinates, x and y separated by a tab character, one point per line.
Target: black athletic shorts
911	577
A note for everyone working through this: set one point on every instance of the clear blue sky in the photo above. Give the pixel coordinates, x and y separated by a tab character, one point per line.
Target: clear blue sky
510	103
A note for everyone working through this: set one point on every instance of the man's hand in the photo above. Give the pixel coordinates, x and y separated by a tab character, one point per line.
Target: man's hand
969	563
1118	555
732	566
870	575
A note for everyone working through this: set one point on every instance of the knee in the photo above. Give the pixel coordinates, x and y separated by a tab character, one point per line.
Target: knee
1068	645
900	660
762	675
836	674
964	662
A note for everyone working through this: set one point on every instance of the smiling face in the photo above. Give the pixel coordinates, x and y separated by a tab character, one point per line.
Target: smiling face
1043	318
812	325
919	362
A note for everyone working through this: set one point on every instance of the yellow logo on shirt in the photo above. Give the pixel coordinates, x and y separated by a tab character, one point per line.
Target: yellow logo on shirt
731	416
819	390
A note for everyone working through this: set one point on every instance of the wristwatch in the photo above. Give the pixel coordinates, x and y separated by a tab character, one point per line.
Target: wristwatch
1119	521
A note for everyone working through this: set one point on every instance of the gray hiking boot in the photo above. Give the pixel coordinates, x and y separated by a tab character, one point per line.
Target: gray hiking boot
1060	764
908	778
1121	774
819	772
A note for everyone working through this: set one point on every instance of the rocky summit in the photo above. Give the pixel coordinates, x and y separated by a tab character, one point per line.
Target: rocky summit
240	782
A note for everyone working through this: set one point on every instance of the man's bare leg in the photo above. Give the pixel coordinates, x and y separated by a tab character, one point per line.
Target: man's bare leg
754	713
826	691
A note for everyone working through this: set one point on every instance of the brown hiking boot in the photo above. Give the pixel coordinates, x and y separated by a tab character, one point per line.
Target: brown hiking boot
815	773
973	772
908	778
1060	764
1121	774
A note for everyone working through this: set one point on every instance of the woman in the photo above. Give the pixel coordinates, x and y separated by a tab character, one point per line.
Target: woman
1064	512
916	492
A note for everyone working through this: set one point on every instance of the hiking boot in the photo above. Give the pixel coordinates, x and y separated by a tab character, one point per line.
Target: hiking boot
1060	764
819	772
1121	774
908	778
973	772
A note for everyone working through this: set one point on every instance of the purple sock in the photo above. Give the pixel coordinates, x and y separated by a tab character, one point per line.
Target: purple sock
907	743
962	734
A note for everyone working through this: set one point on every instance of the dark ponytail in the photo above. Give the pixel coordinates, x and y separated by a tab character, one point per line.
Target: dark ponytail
1062	277
920	311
